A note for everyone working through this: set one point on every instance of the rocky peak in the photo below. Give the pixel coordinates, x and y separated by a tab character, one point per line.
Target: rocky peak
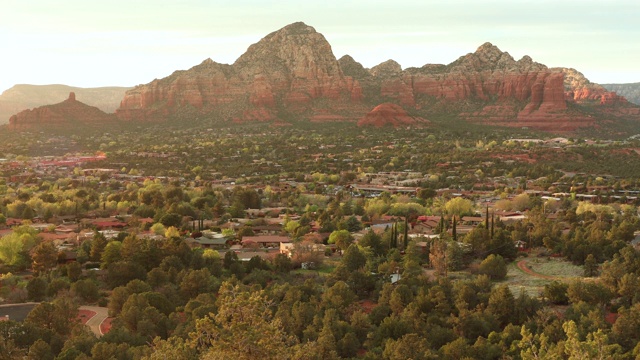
72	96
298	28
488	50
574	79
527	64
296	49
387	68
352	68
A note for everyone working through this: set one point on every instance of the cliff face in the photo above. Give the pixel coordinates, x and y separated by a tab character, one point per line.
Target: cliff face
285	71
68	112
631	92
293	74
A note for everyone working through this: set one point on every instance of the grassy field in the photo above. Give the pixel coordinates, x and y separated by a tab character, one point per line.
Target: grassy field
559	269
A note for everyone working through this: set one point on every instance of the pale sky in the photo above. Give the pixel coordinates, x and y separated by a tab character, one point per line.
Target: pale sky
90	43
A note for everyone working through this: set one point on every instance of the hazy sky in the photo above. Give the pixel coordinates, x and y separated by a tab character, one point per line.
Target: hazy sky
127	42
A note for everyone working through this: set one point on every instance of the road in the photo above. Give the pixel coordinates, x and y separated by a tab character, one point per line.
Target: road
94	323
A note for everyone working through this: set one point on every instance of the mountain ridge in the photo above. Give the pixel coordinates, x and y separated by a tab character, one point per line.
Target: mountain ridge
292	75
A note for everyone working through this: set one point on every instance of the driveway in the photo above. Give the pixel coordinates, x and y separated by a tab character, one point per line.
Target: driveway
94	323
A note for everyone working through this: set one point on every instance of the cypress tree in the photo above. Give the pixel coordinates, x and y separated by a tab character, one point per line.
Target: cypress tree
493	222
486	218
406	232
453	229
393	236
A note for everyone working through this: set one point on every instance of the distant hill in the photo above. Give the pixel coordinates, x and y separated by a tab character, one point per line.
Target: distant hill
69	112
629	91
22	97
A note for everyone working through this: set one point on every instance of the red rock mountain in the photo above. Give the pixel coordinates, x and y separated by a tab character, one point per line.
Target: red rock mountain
68	112
292	75
286	72
390	114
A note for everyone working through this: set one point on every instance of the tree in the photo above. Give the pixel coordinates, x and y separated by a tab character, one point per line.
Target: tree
494	266
196	282
37	288
40	350
353	258
243	328
171	219
58	316
86	289
595	346
74	271
438	256
501	304
342	239
458	206
14	246
44	256
111	253
556	293
282	263
98	244
171	232
141	318
158	229
590	266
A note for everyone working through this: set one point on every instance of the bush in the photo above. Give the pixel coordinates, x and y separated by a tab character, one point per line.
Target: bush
494	266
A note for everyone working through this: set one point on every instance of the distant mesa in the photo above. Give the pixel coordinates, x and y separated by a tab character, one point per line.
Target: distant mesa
21	97
66	113
389	114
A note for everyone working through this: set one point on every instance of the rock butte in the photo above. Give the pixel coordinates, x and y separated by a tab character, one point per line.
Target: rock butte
292	74
68	112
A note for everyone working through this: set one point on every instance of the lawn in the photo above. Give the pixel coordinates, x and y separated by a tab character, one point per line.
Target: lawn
552	268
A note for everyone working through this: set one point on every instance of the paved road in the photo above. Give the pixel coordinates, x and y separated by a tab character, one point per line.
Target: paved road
94	323
16	312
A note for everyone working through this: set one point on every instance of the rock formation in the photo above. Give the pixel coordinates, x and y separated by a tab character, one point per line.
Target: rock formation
390	114
631	92
285	72
292	75
21	97
68	112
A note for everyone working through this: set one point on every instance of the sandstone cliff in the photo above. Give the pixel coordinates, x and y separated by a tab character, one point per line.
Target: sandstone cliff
282	74
631	92
67	113
292	75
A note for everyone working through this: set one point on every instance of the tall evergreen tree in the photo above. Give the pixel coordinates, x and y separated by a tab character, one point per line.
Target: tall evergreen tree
493	223
406	232
453	229
486	217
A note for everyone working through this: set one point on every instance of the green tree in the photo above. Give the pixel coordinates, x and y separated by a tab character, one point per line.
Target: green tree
458	206
342	239
243	328
37	288
44	256
59	316
98	244
590	266
494	266
111	253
